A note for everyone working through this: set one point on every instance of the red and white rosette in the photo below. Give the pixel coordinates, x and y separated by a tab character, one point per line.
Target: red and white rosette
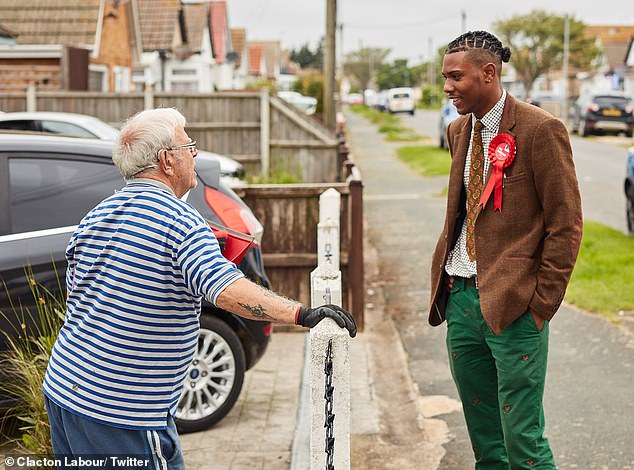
501	155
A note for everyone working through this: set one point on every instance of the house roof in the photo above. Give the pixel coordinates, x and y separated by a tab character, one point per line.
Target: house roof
195	22
616	53
610	33
270	51
219	30
65	22
238	40
256	55
629	57
159	21
615	40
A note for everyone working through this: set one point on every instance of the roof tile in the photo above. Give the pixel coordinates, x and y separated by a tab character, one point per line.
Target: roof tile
159	22
67	22
219	31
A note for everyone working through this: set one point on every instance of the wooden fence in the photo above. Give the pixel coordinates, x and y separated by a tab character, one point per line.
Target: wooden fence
260	131
263	133
290	214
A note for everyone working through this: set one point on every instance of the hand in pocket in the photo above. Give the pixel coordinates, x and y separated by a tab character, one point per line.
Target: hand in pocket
539	321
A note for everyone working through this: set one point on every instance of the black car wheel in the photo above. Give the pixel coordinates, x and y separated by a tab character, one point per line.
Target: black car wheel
214	378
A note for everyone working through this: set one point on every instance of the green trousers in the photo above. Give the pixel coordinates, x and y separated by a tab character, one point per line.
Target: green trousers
500	380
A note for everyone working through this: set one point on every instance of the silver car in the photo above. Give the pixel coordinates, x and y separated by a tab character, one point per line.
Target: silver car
90	127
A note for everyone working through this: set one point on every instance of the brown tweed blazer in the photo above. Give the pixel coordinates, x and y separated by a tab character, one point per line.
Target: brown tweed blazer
525	254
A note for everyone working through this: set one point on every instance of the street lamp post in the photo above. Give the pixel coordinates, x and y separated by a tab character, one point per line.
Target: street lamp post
564	114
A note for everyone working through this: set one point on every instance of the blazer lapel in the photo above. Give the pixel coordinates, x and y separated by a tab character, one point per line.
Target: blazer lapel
459	147
508	116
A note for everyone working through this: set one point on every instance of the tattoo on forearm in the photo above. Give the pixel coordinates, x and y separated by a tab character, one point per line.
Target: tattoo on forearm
257	311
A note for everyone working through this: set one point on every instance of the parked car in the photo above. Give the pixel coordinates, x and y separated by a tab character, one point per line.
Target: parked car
401	100
538	99
90	127
448	113
629	190
352	98
603	113
306	104
381	101
48	183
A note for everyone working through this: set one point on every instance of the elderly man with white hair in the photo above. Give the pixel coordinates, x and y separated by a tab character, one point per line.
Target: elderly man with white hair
139	265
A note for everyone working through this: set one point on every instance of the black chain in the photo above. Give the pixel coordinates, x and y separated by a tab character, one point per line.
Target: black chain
329	423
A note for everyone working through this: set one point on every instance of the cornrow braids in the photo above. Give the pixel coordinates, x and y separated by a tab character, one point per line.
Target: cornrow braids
479	40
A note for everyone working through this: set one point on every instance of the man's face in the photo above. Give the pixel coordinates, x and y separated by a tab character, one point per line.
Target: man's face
464	83
184	177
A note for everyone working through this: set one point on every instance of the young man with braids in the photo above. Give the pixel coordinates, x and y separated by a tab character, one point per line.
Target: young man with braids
504	258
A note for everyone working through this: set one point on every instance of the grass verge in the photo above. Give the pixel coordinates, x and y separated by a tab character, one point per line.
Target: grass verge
388	124
428	160
604	274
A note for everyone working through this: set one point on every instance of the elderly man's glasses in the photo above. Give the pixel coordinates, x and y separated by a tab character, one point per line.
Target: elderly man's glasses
189	145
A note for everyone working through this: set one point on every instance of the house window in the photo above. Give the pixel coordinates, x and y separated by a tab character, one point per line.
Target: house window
97	77
184	80
181	72
184	87
121	79
138	80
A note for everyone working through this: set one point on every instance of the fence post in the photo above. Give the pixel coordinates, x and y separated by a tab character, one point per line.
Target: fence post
265	131
356	272
148	96
31	98
329	384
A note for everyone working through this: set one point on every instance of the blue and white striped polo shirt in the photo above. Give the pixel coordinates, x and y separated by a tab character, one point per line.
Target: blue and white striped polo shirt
138	266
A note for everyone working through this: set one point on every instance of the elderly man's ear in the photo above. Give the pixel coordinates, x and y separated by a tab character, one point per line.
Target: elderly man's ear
166	163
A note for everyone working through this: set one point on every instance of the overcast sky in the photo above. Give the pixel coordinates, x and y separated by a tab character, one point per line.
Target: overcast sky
407	27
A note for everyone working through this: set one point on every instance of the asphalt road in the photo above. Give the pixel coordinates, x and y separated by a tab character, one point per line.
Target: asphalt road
589	409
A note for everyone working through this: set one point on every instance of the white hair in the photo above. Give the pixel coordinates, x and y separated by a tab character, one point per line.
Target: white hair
142	137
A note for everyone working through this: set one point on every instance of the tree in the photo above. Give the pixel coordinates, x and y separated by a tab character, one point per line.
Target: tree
537	44
397	74
363	64
305	57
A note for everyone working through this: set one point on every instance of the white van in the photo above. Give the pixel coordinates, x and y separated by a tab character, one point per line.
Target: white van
401	100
